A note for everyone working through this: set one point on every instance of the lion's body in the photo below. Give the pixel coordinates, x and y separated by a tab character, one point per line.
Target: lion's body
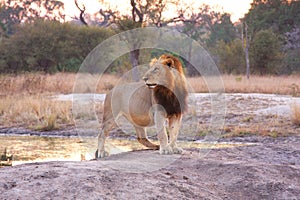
132	100
161	99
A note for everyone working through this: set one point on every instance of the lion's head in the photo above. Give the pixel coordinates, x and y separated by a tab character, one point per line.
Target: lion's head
163	71
168	82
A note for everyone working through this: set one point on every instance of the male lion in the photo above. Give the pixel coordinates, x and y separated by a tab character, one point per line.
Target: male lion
160	100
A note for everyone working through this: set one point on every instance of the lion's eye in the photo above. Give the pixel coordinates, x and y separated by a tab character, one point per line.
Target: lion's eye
156	69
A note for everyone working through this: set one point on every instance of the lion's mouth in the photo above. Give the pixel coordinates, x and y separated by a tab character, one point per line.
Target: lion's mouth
151	86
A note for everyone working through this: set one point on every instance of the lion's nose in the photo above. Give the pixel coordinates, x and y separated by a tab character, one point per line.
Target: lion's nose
145	79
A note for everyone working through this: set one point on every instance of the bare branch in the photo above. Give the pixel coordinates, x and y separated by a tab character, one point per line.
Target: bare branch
109	17
136	11
82	11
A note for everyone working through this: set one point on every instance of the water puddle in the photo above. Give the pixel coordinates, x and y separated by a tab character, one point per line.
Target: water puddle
28	149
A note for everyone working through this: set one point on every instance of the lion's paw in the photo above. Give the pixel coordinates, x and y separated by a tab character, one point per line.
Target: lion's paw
101	154
177	150
166	150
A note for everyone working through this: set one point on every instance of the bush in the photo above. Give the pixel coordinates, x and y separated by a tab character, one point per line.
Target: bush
266	53
70	65
230	57
49	46
291	62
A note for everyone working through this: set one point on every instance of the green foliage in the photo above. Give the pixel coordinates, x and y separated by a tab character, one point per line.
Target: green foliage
291	62
127	24
49	46
120	65
282	18
70	65
266	54
279	15
223	29
14	12
230	56
206	25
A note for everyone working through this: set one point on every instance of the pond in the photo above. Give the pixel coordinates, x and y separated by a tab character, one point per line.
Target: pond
26	149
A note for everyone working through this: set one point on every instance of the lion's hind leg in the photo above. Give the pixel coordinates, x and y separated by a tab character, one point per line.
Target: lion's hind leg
106	128
143	139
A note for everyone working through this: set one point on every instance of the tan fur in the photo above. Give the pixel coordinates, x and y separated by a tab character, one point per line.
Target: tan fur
161	99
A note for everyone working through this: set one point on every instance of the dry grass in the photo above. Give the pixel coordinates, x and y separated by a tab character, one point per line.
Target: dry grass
25	99
295	113
36	83
60	83
289	85
36	112
286	85
63	83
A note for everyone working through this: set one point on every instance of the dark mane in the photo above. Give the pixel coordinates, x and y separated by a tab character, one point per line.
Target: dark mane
174	97
173	103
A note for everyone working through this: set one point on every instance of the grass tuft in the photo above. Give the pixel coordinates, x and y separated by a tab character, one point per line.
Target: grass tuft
295	113
49	124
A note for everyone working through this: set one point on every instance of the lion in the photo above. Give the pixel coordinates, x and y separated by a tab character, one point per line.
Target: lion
160	100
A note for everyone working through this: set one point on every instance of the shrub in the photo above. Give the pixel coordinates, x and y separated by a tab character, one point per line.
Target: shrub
230	56
266	54
49	46
291	62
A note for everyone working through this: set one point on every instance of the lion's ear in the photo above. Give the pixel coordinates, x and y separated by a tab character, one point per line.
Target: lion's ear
154	60
169	63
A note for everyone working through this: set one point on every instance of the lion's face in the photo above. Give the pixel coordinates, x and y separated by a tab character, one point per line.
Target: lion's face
161	72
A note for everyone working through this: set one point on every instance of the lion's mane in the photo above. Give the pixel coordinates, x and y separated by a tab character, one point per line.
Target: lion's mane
173	97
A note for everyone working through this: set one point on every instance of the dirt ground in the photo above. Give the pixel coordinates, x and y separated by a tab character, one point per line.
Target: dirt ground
268	169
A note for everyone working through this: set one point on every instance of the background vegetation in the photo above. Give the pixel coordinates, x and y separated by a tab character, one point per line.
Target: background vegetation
32	40
49	46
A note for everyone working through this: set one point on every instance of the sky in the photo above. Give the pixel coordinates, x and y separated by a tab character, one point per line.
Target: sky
237	8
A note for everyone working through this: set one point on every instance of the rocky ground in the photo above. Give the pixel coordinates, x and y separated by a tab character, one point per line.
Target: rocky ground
269	169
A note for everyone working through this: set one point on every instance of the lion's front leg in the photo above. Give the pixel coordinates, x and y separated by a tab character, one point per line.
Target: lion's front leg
100	152
174	127
162	136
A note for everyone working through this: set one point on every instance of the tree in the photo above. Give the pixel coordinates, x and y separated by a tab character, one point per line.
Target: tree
205	26
222	28
266	52
282	17
245	41
230	56
103	18
49	46
16	11
279	15
143	13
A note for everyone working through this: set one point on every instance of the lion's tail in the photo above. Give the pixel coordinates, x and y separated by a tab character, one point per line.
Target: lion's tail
147	143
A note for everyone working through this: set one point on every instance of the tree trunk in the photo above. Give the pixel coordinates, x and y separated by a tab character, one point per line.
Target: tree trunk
246	49
191	70
134	59
247	63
